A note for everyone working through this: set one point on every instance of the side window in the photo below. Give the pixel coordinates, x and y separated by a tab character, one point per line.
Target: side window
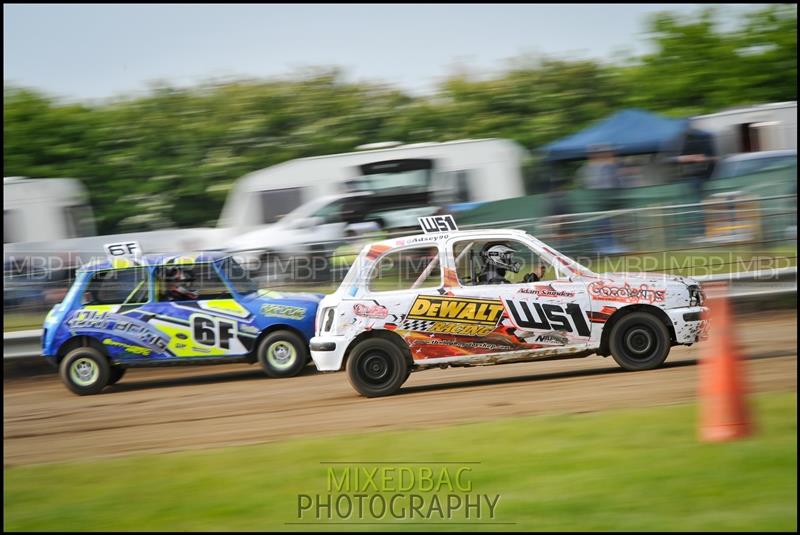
276	203
407	269
190	282
117	287
452	187
480	262
330	213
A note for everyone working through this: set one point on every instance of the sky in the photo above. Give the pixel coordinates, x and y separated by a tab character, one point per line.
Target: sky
88	52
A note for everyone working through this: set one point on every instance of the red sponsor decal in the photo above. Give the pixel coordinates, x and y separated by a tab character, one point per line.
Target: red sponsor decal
370	311
423	351
376	250
626	293
427	346
603	315
450	277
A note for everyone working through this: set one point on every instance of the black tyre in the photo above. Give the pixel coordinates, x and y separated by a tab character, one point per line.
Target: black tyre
377	367
283	354
85	370
116	374
639	341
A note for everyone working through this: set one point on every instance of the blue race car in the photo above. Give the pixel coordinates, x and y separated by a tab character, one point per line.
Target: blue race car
160	310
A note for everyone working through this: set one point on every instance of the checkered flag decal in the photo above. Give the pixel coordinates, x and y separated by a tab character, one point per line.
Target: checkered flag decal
415	325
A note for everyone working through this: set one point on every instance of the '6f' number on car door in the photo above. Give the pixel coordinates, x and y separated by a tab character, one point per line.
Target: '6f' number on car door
213	332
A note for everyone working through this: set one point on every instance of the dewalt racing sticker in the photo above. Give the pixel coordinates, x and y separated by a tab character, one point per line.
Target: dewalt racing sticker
453	315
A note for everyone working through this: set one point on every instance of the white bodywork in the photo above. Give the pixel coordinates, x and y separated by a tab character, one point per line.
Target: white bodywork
557	318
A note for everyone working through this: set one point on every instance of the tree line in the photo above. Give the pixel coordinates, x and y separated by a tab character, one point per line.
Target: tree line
168	158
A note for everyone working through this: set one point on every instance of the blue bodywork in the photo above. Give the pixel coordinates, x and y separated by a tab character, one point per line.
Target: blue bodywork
191	331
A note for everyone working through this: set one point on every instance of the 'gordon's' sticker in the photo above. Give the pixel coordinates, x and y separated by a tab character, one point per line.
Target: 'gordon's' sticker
456	309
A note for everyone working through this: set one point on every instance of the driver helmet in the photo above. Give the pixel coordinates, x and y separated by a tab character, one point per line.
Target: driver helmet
500	256
176	274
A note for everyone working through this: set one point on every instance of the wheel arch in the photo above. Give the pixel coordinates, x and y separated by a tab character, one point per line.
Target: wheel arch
378	333
271	329
659	313
81	340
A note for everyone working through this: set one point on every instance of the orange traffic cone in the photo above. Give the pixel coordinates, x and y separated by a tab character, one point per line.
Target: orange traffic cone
723	407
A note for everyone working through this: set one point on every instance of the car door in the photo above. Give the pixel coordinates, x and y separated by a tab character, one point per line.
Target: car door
399	283
547	312
197	312
113	311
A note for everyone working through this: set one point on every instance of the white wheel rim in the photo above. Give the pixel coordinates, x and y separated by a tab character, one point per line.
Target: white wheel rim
281	355
84	371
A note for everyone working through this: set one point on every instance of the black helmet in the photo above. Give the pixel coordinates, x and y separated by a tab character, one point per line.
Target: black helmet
500	256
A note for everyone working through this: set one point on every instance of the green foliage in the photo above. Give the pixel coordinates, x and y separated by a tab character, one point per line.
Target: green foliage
696	68
170	157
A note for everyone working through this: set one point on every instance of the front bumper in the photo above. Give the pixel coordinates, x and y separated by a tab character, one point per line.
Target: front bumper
689	323
327	352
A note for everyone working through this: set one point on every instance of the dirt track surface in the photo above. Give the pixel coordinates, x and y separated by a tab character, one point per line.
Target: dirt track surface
185	408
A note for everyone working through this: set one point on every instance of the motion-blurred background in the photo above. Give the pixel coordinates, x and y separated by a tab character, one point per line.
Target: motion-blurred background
679	146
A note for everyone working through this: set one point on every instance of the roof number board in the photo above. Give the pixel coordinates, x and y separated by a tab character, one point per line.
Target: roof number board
437	223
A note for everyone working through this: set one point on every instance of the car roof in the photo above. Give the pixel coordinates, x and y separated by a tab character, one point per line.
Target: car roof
99	264
436	237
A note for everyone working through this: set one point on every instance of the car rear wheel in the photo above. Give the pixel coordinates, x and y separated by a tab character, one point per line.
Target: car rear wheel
639	341
283	354
377	367
85	371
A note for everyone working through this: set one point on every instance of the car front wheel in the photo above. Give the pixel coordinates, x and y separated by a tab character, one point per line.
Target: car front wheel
377	367
283	354
639	341
85	371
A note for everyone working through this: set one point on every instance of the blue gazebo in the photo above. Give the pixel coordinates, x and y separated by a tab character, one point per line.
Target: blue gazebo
631	132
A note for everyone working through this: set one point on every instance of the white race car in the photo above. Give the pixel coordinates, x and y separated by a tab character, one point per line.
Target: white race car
478	297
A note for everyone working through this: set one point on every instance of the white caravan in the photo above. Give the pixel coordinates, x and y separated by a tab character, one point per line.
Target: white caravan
766	127
452	173
45	209
51	219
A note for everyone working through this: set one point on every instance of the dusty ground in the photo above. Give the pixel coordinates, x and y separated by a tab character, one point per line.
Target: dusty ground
183	408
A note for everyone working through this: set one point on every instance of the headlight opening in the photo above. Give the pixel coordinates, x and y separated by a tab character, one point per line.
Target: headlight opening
326	316
696	296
